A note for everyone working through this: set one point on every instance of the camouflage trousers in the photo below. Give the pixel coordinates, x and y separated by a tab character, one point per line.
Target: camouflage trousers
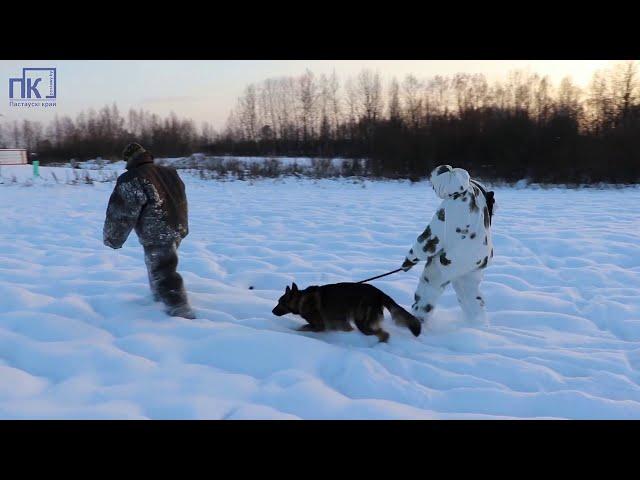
467	287
165	282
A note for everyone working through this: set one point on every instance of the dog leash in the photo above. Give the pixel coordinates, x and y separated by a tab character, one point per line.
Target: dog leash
489	201
380	276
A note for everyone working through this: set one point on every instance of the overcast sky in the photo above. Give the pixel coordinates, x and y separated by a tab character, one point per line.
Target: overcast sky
208	90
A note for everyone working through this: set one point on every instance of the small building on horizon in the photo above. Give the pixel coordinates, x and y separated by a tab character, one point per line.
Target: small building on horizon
13	156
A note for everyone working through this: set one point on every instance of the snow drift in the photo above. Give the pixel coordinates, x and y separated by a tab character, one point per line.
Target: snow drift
80	336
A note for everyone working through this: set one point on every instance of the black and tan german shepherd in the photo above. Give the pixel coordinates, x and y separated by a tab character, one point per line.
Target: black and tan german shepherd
332	307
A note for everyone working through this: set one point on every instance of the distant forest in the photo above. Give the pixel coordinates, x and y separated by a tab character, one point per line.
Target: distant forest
521	127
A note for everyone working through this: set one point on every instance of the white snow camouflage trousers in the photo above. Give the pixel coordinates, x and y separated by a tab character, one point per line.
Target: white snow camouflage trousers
467	287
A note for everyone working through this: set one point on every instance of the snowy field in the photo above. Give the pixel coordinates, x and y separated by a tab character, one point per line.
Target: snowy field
80	336
200	161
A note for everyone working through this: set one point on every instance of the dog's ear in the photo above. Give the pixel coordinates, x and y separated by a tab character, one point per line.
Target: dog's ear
287	290
294	287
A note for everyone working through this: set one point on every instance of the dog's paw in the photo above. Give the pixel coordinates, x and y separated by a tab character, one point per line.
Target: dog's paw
383	336
307	328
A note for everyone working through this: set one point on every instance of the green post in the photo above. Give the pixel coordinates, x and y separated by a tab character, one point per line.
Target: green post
36	168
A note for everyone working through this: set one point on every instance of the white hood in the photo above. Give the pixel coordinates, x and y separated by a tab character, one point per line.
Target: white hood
447	180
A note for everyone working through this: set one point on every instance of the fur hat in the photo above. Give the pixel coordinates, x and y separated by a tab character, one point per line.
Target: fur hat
132	151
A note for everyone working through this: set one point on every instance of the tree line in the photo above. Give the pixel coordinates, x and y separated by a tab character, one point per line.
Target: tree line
104	133
523	126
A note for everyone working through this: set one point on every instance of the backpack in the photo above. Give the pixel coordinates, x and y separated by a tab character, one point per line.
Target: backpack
489	198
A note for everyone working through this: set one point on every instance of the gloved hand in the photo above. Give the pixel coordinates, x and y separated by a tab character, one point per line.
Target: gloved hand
407	265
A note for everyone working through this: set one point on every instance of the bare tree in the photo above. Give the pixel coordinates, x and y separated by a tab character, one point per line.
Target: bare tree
334	103
351	100
600	108
568	101
412	100
370	95
208	133
625	86
286	100
479	91
248	113
519	91
307	99
461	86
395	112
542	101
437	92
268	96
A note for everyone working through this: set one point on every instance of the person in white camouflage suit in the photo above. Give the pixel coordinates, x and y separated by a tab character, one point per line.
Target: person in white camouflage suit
456	244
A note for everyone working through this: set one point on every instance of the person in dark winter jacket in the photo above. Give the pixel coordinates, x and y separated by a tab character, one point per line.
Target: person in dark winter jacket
151	199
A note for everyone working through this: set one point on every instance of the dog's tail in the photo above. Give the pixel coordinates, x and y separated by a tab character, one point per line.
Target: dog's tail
400	316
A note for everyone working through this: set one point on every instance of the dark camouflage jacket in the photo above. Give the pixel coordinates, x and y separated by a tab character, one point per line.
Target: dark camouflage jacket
149	198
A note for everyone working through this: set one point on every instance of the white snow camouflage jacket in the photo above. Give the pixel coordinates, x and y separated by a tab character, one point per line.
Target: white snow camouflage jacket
458	238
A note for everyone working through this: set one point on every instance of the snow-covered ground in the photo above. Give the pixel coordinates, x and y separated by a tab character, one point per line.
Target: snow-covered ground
199	161
80	336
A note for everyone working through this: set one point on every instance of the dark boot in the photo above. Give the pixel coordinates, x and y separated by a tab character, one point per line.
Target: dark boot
166	283
152	287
